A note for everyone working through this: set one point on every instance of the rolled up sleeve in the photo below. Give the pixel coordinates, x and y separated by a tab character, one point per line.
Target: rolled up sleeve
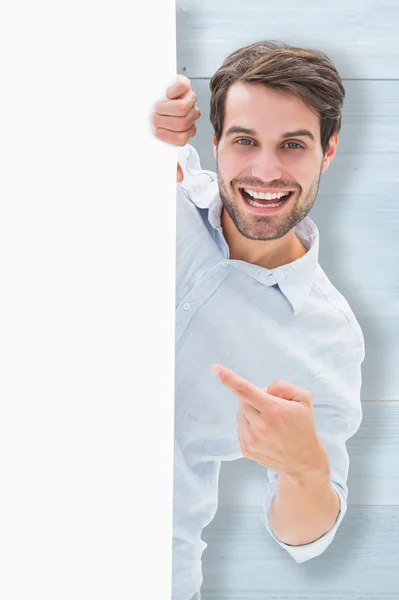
338	415
196	180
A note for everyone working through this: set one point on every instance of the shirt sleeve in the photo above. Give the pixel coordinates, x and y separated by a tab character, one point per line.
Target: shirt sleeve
338	414
196	179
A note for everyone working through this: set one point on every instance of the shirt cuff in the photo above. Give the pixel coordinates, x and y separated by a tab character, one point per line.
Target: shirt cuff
306	551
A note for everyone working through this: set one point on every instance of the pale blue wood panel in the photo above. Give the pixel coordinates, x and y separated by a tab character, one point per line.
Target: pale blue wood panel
243	562
370	119
357	213
360	37
373	473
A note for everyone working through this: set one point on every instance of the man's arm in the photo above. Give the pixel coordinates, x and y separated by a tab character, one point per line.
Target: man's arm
174	119
306	505
304	508
295	512
301	438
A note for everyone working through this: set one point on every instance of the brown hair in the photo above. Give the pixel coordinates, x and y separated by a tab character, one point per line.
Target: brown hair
309	74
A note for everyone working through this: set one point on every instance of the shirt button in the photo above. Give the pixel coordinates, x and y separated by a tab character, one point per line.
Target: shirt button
224	263
186	306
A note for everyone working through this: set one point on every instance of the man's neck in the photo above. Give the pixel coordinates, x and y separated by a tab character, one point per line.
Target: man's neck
268	254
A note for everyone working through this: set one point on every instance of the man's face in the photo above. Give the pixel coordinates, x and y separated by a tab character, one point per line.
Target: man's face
270	144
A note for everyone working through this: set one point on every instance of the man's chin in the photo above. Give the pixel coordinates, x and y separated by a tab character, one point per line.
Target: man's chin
261	232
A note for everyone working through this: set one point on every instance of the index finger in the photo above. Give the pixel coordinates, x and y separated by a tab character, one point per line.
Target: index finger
243	388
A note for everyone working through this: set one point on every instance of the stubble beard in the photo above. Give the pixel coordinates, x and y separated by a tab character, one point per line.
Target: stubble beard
264	227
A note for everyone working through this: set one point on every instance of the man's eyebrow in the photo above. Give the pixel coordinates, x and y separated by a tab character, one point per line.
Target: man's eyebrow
238	129
298	133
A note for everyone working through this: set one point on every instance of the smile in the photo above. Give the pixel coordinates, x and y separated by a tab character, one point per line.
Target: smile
265	202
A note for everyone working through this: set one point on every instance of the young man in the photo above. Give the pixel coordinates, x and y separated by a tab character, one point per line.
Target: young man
254	304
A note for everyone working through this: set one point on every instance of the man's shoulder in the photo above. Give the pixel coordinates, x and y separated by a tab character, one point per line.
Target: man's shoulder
339	309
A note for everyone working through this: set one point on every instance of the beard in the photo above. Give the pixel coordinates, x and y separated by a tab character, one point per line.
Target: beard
265	227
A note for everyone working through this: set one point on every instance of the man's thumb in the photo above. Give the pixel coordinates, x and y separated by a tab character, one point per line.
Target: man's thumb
180	174
289	391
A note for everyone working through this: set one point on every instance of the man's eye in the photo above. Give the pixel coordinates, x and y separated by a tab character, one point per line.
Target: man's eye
246	141
295	144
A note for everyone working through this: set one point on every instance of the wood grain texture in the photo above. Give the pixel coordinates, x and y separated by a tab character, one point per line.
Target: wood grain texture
360	37
374	465
370	121
243	562
357	213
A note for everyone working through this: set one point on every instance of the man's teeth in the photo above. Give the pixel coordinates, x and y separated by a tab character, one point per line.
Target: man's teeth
253	203
262	196
250	195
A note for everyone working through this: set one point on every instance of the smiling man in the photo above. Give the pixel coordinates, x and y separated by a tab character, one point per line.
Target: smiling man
254	310
268	171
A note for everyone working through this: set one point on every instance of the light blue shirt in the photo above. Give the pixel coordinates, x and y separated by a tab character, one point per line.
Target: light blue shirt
287	323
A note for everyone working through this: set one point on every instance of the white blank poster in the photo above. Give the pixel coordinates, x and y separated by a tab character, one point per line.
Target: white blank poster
87	251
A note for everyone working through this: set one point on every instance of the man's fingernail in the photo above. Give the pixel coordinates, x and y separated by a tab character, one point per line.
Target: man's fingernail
215	369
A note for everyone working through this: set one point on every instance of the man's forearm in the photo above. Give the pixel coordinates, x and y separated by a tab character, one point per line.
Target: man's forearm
304	508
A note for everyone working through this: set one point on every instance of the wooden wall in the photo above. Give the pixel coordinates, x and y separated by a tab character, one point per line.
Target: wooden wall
357	213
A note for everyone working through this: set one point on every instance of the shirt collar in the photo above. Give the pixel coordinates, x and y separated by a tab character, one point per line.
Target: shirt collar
295	279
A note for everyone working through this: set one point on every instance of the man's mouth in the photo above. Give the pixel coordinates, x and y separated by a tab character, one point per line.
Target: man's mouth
265	202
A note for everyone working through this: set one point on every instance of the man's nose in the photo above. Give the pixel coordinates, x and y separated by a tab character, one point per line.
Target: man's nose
267	166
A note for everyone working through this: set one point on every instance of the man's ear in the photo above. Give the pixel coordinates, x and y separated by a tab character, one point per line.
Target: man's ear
329	155
214	146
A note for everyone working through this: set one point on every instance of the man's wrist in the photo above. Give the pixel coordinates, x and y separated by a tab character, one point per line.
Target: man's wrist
316	466
306	504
